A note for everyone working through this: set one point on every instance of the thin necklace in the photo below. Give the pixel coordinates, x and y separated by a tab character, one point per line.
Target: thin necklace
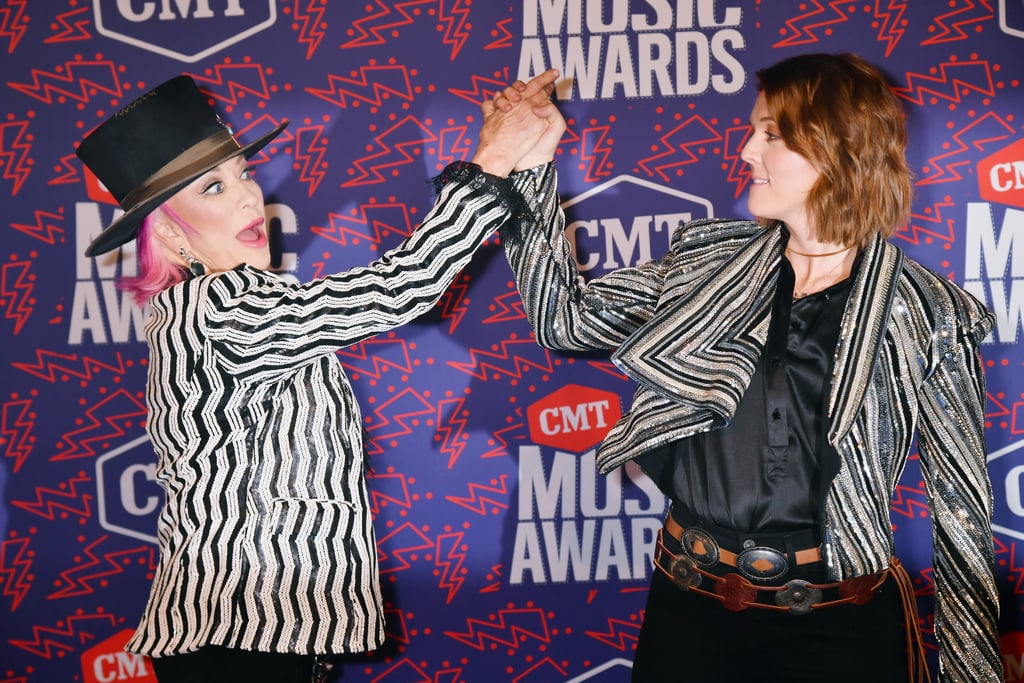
801	295
831	253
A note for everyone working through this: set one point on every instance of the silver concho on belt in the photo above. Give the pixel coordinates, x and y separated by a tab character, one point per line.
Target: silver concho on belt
761	563
701	546
683	571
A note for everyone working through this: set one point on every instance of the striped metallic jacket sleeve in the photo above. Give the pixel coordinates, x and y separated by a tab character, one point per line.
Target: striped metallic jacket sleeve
951	440
266	329
564	311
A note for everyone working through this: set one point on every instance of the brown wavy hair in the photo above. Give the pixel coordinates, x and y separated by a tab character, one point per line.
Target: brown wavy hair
840	113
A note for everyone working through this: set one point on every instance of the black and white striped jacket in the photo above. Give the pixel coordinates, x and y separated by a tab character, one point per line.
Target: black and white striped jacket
265	537
689	329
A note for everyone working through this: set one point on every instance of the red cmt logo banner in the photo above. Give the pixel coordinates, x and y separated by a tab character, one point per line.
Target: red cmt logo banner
1001	176
108	662
574	418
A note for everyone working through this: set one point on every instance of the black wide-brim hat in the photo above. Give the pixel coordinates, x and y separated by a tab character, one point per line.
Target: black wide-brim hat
154	147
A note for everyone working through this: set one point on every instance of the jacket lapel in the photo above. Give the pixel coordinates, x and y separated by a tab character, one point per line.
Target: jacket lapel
702	348
863	330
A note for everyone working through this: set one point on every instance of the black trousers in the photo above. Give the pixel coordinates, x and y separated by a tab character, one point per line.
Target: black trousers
692	638
213	664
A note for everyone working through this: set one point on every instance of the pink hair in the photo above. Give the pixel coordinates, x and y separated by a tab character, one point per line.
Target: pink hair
156	273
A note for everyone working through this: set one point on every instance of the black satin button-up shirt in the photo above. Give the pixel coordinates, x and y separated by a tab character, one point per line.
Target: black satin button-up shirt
762	473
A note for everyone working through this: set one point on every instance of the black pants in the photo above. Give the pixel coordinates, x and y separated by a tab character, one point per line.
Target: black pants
693	638
212	664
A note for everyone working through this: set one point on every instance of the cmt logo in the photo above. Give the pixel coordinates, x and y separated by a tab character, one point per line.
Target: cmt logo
128	497
186	30
607	230
1001	175
109	663
574	418
1011	20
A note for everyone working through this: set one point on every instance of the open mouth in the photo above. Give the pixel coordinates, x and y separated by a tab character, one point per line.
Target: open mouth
253	235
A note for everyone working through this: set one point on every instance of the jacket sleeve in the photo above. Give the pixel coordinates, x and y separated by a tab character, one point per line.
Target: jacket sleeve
953	460
564	311
261	322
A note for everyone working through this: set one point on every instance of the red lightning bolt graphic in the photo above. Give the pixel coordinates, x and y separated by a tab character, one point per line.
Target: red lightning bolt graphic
449	556
72	25
49	642
406	540
955	79
483	88
502	36
384	219
802	28
931	223
451	429
678	147
376	28
68	497
230	83
507	307
310	148
739	172
98	569
453	304
379	499
372	85
455	143
16	287
891	22
454	19
620	635
108	420
986	129
15	569
909	502
394	415
77	81
372	350
395	146
972	13
509	628
15	147
16	426
595	151
13	23
477	503
310	24
44	229
483	362
52	366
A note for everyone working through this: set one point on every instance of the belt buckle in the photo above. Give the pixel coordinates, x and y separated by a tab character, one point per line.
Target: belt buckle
700	546
761	563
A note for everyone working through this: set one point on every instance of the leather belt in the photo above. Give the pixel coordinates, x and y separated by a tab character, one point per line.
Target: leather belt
737	593
758	563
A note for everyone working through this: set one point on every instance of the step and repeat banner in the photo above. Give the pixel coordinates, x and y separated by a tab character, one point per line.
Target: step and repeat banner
504	556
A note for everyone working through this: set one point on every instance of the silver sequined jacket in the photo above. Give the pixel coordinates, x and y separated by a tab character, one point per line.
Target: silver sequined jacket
689	329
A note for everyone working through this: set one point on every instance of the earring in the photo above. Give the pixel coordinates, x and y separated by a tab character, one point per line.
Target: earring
194	265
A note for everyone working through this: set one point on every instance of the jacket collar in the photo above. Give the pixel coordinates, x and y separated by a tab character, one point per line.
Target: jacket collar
701	348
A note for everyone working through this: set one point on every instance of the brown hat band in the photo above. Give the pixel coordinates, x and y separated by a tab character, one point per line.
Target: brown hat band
194	161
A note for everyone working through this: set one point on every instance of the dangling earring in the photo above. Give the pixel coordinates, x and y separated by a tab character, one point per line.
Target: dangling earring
194	264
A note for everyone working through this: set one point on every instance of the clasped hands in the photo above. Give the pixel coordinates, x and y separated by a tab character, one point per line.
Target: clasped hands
521	128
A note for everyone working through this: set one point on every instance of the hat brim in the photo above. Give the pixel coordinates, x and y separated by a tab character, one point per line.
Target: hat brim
126	227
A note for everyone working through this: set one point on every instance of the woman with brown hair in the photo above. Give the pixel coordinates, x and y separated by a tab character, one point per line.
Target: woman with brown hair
784	367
